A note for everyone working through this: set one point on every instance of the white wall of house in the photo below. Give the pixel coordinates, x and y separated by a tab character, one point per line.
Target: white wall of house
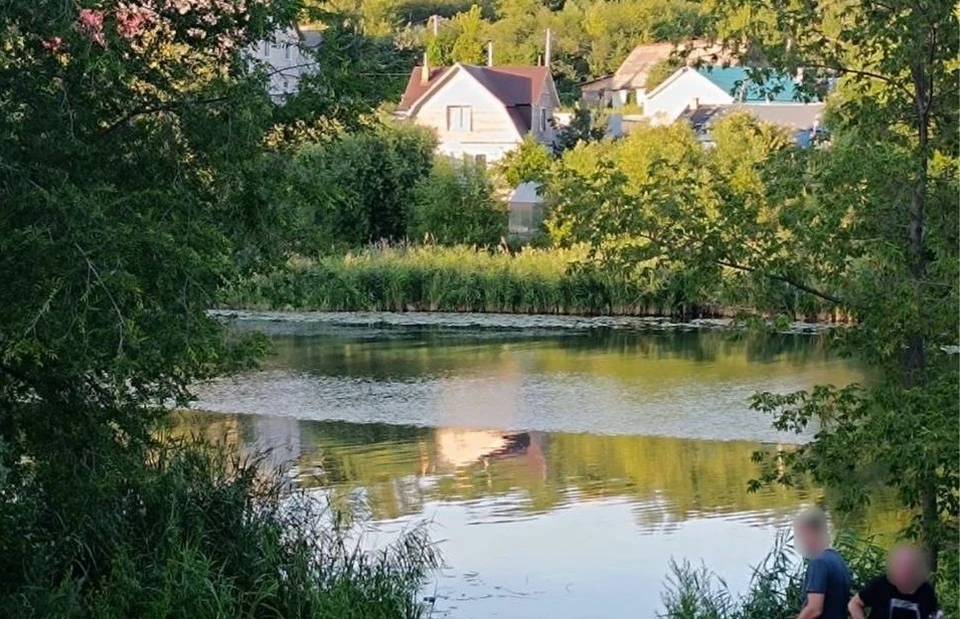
490	131
286	60
684	89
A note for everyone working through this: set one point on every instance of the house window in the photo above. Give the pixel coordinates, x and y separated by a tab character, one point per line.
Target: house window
459	118
543	120
480	159
266	49
286	51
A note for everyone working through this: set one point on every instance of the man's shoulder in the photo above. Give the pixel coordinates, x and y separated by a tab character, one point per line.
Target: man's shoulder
833	559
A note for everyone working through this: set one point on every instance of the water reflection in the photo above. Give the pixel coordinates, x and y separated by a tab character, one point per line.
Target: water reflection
561	469
508	475
684	384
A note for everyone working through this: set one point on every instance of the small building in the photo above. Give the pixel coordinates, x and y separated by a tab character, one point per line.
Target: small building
526	210
289	56
482	111
597	93
691	88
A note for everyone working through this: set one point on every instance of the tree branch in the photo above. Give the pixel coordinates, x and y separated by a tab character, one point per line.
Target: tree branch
774	276
782	278
167	107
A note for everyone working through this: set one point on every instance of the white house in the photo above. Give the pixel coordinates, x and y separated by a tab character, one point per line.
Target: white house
289	56
690	88
481	111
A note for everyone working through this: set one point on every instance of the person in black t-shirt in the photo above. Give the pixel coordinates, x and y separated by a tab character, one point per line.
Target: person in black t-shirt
902	593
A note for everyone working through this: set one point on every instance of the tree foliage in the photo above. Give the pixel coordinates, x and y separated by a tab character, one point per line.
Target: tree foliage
457	204
358	187
530	161
865	227
141	168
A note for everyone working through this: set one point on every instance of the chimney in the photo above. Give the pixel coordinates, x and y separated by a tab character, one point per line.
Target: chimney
425	70
489	53
546	59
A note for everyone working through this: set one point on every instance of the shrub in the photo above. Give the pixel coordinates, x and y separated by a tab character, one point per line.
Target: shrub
457	204
193	532
357	189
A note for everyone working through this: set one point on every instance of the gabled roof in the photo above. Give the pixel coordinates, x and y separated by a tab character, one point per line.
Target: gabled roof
736	82
416	87
633	72
600	83
518	88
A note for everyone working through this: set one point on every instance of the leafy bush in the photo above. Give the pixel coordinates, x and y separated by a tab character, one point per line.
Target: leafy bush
457	204
358	188
193	532
530	161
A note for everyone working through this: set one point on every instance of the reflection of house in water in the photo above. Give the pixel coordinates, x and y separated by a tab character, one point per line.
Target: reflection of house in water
462	448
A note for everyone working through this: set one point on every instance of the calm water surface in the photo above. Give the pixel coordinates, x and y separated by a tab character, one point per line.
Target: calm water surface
561	468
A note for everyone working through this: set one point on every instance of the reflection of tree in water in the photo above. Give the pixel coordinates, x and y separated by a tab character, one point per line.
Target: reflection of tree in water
401	355
670	479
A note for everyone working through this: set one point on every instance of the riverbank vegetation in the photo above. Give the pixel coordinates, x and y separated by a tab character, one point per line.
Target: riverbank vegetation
474	279
775	590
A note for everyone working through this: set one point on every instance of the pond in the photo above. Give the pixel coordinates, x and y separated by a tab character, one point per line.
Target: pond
561	466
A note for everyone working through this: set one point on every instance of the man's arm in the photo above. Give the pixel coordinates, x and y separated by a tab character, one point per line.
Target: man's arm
856	608
814	607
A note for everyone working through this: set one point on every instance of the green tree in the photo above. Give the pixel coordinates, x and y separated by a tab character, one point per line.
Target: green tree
866	228
457	204
585	127
141	169
469	47
529	161
357	188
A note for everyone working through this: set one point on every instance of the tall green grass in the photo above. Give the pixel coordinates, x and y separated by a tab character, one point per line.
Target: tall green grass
195	533
468	279
693	592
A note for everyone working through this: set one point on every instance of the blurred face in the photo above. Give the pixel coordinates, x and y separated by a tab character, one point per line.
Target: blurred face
806	540
905	569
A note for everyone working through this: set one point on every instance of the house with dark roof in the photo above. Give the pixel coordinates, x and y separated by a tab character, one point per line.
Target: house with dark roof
690	88
481	111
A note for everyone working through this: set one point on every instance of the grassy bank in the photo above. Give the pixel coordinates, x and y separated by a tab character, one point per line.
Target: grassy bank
466	279
196	533
775	591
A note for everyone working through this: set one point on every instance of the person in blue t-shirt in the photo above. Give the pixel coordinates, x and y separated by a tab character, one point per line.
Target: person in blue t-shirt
827	583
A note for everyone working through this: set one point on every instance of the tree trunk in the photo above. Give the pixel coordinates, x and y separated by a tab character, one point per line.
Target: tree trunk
915	361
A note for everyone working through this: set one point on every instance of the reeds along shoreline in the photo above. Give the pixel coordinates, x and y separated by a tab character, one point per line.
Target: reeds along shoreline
530	281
